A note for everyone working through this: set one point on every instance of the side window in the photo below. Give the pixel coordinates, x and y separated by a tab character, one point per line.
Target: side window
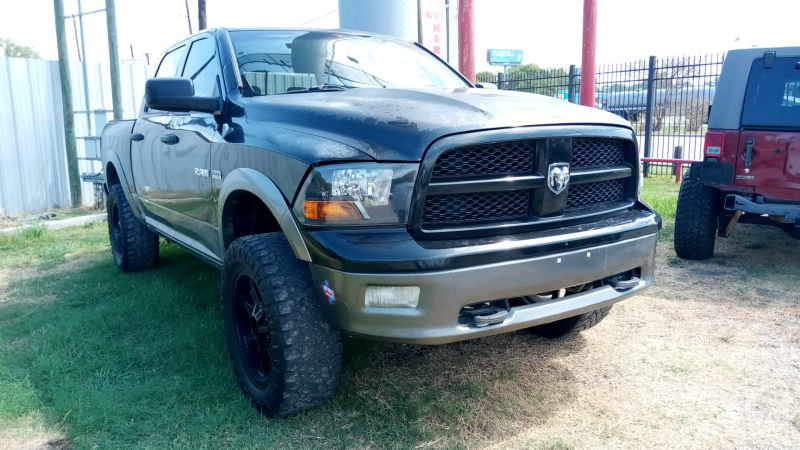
169	65
202	67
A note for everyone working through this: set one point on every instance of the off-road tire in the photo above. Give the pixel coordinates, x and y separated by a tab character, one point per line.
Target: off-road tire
305	351
696	220
133	246
571	325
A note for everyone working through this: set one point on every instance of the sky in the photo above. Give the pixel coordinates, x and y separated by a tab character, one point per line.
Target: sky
549	32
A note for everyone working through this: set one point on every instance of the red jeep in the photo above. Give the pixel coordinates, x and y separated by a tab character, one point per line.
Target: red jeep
751	168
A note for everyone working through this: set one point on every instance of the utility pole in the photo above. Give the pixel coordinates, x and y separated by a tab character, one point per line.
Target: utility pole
66	105
188	16
85	74
201	14
589	47
113	58
466	39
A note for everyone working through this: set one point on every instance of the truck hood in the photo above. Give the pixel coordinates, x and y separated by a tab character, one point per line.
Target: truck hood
399	124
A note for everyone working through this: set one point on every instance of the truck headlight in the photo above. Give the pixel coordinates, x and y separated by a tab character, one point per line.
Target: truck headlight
357	194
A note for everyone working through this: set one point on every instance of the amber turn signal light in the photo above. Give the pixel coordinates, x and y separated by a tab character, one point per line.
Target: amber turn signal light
321	210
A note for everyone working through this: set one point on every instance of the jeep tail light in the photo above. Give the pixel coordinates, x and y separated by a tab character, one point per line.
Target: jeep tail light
715	143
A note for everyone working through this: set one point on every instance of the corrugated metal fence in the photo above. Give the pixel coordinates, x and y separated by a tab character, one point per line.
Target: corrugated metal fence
33	167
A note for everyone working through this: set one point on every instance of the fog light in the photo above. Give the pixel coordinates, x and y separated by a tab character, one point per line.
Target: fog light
392	296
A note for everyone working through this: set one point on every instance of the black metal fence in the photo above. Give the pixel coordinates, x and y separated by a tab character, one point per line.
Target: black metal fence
669	125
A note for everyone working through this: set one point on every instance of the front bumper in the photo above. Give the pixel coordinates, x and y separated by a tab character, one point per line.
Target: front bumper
444	292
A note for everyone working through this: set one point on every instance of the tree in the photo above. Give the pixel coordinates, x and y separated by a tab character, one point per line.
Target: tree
532	78
670	87
486	77
13	50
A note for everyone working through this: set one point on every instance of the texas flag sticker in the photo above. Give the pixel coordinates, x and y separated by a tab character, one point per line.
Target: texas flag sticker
329	293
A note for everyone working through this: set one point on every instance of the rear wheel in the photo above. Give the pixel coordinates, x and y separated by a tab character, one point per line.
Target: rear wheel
286	356
133	245
696	220
571	325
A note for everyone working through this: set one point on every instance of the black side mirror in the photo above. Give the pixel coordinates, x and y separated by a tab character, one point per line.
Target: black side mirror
485	86
177	94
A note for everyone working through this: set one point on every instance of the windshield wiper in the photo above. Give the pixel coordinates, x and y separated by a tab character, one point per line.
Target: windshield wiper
316	89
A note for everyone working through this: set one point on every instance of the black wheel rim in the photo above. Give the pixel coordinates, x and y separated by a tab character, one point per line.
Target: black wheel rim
252	330
116	231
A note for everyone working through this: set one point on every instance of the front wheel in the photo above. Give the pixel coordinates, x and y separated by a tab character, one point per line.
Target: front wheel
571	325
286	356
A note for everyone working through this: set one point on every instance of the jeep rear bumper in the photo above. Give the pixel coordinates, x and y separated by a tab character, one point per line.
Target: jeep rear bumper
443	293
790	212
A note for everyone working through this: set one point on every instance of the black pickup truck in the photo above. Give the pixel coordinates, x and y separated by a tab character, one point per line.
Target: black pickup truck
347	183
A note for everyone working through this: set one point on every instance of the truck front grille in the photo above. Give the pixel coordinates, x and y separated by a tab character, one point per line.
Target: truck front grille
473	208
589	194
505	158
596	152
501	183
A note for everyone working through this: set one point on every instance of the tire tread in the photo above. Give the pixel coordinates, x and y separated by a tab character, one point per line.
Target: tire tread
310	349
696	220
140	247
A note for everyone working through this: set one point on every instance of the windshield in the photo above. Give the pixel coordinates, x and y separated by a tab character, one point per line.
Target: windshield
279	62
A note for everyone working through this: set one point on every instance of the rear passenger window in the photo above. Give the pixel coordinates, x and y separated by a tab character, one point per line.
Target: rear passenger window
201	67
169	65
772	98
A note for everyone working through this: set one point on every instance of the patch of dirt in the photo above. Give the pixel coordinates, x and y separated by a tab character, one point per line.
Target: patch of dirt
6	275
30	433
9	221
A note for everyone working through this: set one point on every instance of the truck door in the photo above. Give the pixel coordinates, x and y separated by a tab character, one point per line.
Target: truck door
147	146
770	131
186	162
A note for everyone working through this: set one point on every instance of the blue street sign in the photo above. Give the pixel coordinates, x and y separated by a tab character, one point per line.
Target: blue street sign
504	56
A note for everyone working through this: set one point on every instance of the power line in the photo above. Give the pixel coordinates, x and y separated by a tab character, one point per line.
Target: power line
320	17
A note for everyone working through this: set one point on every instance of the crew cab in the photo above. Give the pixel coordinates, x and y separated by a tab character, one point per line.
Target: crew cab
348	183
751	167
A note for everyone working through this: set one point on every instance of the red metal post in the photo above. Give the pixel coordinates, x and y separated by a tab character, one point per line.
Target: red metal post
589	46
466	39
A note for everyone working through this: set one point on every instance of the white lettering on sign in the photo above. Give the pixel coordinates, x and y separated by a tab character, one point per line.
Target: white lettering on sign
201	172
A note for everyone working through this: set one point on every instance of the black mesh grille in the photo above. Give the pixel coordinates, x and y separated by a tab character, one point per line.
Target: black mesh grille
479	207
596	152
593	193
490	159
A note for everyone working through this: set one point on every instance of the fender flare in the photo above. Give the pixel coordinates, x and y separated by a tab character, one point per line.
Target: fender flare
258	184
113	159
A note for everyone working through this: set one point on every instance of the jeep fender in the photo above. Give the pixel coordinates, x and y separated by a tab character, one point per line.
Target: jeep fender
261	186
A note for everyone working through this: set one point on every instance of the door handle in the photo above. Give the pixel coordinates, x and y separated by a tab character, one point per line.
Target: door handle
137	136
748	157
169	139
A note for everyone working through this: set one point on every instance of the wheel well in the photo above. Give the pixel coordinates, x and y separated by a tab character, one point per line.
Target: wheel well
244	214
112	177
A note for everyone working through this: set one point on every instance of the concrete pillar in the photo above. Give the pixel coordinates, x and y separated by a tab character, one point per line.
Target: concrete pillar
396	18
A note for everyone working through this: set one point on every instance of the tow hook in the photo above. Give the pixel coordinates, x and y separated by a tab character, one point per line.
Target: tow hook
491	319
619	284
490	313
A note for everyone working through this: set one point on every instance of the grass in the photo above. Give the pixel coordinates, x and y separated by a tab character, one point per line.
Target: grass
94	358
